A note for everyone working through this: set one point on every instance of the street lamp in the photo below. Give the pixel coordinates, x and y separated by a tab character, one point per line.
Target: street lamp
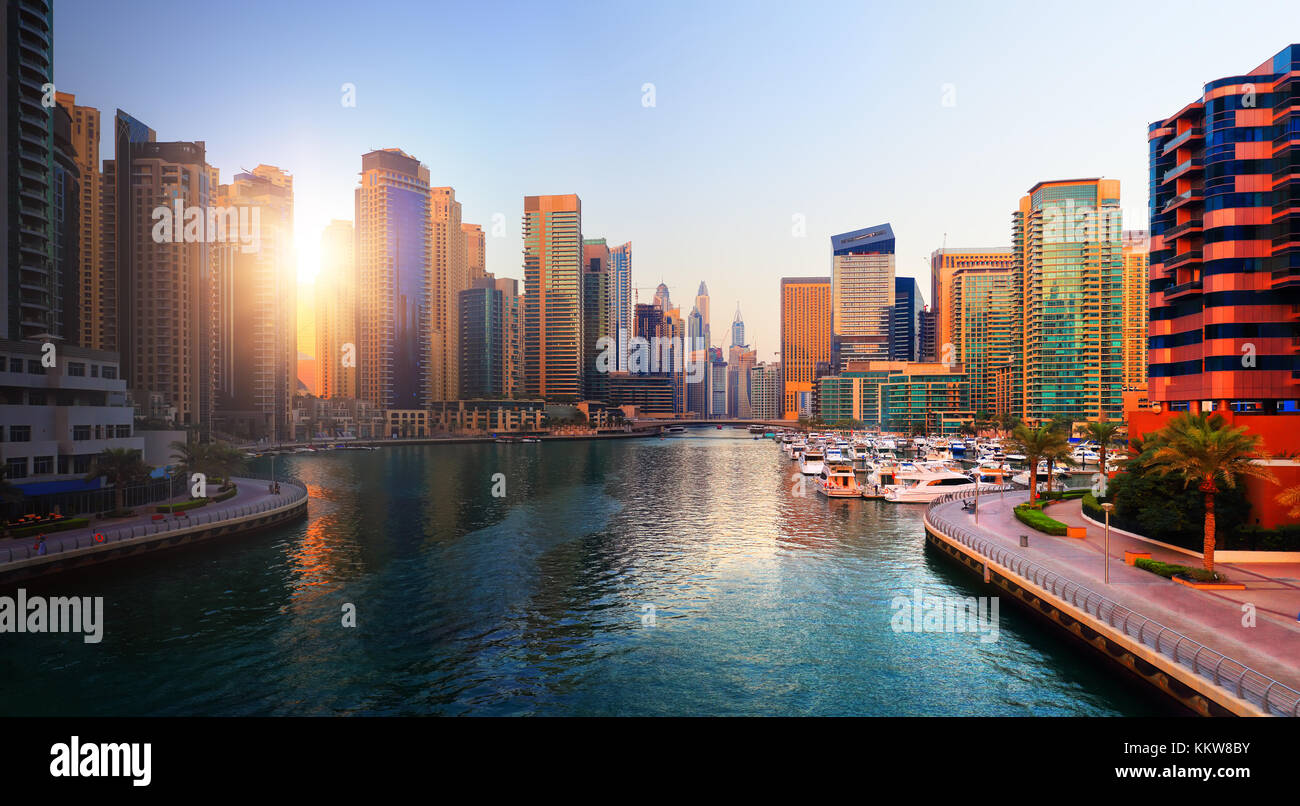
1108	507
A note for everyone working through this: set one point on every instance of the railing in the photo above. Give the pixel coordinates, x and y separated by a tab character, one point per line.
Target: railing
290	493
1272	696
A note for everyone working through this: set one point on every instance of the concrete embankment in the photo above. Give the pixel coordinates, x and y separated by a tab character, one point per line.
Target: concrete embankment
20	560
1200	677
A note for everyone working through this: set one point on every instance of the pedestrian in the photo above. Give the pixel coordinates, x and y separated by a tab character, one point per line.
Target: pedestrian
42	543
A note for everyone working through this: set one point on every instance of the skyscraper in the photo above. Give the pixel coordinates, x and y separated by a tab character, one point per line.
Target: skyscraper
904	325
483	333
1225	249
661	298
597	287
256	335
943	264
981	299
862	273
162	275
620	297
475	251
805	339
393	252
92	298
450	276
1067	244
29	294
737	329
552	229
702	305
765	392
336	312
1137	311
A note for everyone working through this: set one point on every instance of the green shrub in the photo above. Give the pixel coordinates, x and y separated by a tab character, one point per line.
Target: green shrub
1253	538
1032	516
1170	570
193	503
227	495
46	528
1092	507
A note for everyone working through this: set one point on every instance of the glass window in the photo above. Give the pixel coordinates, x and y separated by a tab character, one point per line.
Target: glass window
16	467
77	369
42	465
20	433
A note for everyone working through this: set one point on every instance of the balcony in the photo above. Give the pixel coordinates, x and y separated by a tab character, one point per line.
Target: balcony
1194	133
1186	228
1193	194
1182	290
1184	168
1183	258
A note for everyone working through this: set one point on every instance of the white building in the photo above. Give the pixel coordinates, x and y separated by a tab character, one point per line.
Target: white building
54	420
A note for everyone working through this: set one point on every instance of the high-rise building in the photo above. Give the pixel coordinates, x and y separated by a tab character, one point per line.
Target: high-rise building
552	229
702	305
159	236
336	312
862	274
450	275
597	290
394	281
32	289
765	392
943	264
717	383
1137	311
90	298
805	339
67	213
484	329
697	387
661	298
1067	241
902	396
1225	249
981	316
927	323
740	360
904	317
475	251
737	329
620	297
256	332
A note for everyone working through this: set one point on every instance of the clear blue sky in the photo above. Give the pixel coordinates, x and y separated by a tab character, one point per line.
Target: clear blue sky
763	111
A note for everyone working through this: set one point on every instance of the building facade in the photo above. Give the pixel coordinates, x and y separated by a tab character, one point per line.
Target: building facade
552	229
336	312
394	281
805	339
862	297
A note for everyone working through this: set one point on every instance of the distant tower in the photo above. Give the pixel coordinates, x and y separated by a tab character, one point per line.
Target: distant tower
702	305
737	329
661	298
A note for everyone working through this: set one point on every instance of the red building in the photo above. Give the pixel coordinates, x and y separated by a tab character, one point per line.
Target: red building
1225	260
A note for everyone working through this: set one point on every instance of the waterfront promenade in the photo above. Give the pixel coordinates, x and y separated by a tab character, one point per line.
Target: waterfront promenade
250	505
1215	619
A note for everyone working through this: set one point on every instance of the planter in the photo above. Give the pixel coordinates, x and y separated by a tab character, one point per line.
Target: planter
1209	586
1131	557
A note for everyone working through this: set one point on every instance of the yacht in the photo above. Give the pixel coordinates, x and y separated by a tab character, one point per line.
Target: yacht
925	486
836	480
812	462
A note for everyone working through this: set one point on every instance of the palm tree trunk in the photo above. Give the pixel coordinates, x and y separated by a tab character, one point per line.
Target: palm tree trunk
1209	532
1033	478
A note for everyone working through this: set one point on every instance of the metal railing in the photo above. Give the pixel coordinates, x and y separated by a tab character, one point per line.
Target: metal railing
1272	696
291	492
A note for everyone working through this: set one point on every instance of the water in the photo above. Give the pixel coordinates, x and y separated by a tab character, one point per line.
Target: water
533	603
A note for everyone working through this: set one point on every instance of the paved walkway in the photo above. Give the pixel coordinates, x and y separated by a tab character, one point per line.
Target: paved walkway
1214	618
251	493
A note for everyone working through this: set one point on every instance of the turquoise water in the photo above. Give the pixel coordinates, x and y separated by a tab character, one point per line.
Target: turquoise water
763	602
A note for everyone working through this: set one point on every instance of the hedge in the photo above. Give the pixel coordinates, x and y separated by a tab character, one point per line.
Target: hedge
1032	516
1169	570
227	495
194	503
44	528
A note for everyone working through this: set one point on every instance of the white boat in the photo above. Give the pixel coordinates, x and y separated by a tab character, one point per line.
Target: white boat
838	481
812	462
925	486
675	429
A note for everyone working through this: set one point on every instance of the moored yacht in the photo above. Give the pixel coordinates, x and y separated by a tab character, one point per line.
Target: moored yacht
836	480
925	486
812	461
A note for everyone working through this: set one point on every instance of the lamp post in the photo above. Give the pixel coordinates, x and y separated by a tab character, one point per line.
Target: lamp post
1108	507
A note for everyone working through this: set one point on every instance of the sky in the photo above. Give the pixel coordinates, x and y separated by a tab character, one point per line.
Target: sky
772	126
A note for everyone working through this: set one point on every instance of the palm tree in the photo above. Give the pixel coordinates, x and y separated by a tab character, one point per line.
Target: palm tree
122	467
1104	434
1202	449
1290	497
1037	444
